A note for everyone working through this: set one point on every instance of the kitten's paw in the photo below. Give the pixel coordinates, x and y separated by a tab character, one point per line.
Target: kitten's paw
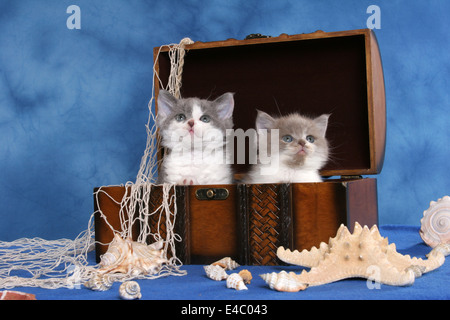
188	182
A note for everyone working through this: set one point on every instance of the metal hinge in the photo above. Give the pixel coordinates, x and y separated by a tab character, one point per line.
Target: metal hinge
256	36
351	177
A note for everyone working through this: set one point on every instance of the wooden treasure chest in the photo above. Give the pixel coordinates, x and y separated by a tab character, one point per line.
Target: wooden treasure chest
337	73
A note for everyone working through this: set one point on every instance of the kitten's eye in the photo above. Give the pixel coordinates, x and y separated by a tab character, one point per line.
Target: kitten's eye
180	117
310	139
205	118
287	138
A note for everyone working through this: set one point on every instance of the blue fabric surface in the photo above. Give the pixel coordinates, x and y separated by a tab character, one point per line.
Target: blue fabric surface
196	286
73	103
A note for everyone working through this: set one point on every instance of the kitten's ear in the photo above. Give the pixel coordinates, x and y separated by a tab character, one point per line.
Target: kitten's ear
264	121
322	123
166	102
225	105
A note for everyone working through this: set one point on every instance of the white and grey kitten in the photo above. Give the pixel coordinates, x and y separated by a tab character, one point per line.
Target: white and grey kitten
193	131
302	151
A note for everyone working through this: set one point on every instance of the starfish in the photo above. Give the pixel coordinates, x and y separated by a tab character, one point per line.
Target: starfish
363	254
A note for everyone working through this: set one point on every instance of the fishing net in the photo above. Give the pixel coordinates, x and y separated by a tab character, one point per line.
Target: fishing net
63	263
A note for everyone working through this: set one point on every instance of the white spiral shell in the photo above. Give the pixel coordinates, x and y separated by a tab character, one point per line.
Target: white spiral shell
227	263
130	290
283	281
435	224
235	281
215	272
100	282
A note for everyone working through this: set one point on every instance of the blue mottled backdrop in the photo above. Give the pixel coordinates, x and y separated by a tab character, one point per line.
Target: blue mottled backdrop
73	102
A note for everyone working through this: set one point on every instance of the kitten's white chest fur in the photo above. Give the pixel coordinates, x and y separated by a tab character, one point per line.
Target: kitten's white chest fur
196	168
277	172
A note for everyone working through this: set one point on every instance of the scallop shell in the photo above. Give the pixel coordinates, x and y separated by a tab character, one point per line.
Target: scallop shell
283	281
215	272
435	224
235	281
246	276
99	282
130	290
227	263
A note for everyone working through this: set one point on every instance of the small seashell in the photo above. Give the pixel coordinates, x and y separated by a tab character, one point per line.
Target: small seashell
435	224
227	263
130	290
283	282
215	272
235	281
442	248
99	282
418	270
246	276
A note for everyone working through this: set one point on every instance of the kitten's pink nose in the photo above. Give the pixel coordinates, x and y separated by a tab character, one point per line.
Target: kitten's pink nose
191	123
302	142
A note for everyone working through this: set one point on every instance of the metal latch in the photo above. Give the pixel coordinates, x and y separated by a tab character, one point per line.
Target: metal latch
212	194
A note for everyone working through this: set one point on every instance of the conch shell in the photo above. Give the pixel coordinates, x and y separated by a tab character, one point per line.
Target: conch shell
215	272
130	290
132	258
227	263
235	281
283	282
435	224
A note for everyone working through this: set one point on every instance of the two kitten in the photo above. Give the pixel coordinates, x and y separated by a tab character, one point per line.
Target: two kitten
194	134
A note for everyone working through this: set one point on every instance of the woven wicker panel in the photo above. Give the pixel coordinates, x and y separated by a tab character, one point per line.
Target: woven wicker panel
264	223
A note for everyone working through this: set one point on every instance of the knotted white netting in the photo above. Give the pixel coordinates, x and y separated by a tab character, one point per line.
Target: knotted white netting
63	263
